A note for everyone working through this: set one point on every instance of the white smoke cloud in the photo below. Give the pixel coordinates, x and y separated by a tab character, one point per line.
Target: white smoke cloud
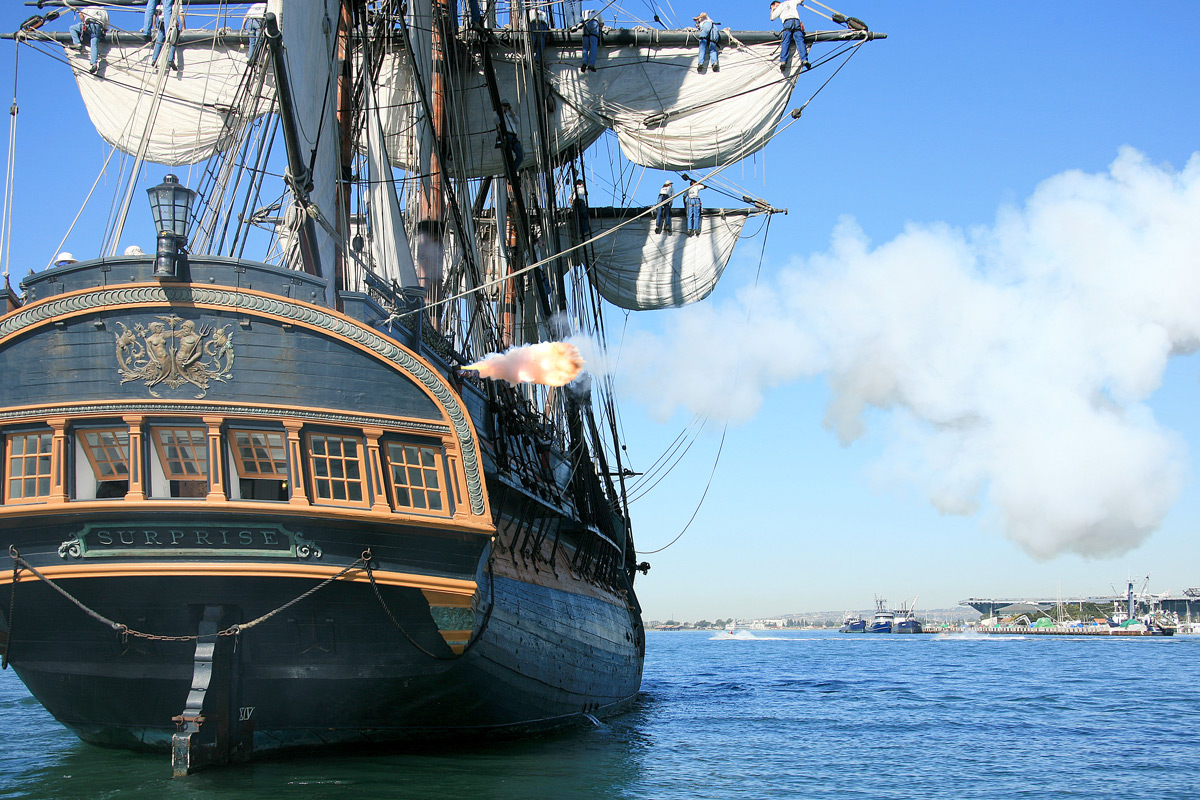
1015	359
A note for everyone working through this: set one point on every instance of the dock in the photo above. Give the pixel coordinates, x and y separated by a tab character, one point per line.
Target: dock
1066	630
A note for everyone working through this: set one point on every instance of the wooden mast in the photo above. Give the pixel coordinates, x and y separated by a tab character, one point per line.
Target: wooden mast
431	219
345	115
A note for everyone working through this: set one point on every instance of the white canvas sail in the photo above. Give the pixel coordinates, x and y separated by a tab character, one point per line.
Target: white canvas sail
638	269
388	240
666	115
309	41
669	116
201	108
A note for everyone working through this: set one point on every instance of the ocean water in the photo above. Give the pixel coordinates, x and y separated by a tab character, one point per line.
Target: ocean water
755	715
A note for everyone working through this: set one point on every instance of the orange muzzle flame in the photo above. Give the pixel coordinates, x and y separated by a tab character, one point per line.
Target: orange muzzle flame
544	363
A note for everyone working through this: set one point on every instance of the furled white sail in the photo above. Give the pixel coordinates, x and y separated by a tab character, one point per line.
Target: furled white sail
202	104
666	115
388	240
308	42
638	269
669	116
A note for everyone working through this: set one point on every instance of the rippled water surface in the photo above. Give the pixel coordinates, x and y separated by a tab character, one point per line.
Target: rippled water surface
792	714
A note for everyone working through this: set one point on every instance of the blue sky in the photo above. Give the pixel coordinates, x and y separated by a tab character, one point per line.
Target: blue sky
952	122
924	140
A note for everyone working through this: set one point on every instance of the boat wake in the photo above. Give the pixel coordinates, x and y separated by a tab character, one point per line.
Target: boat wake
734	635
971	636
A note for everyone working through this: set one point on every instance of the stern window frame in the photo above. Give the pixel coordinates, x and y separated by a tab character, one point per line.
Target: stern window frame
41	479
329	471
409	481
184	485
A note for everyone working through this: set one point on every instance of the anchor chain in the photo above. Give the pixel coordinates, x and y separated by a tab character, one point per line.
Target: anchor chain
395	622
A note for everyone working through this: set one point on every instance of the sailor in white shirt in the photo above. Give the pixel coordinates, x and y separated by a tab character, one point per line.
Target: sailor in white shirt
692	205
253	22
93	22
793	31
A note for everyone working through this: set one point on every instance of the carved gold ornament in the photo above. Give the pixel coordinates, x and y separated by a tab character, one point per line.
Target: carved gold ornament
174	352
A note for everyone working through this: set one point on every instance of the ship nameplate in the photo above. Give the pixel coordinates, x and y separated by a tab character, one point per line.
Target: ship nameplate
124	541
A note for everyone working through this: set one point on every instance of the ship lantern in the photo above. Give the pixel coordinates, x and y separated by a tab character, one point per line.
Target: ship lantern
171	205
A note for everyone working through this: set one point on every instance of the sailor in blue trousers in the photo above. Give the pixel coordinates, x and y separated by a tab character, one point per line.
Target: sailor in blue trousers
693	205
93	22
592	28
793	32
709	36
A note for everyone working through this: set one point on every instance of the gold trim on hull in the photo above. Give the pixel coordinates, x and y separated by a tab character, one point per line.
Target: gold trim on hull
259	509
438	591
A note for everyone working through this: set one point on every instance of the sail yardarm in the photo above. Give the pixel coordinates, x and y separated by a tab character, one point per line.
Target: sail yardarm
693	113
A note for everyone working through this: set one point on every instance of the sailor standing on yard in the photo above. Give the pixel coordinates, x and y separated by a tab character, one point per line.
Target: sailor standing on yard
539	28
662	218
252	22
93	22
693	205
592	28
709	36
793	31
580	205
148	16
162	24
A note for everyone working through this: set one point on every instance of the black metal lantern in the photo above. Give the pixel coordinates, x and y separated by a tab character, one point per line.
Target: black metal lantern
171	205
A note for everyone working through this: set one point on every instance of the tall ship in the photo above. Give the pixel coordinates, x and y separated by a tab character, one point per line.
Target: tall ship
319	468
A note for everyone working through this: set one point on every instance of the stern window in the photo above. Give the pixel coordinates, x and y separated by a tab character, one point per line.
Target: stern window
336	469
183	454
28	460
107	452
261	459
415	472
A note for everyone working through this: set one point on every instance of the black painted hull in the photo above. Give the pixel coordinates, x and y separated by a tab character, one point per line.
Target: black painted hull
332	670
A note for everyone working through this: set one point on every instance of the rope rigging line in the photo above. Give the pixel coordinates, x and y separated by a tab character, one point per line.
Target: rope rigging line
10	178
725	429
399	627
144	145
103	170
661	468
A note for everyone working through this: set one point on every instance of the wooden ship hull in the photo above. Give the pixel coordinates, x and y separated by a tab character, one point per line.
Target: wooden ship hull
242	521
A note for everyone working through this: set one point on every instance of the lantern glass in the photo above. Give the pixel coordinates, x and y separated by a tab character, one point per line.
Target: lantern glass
171	206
